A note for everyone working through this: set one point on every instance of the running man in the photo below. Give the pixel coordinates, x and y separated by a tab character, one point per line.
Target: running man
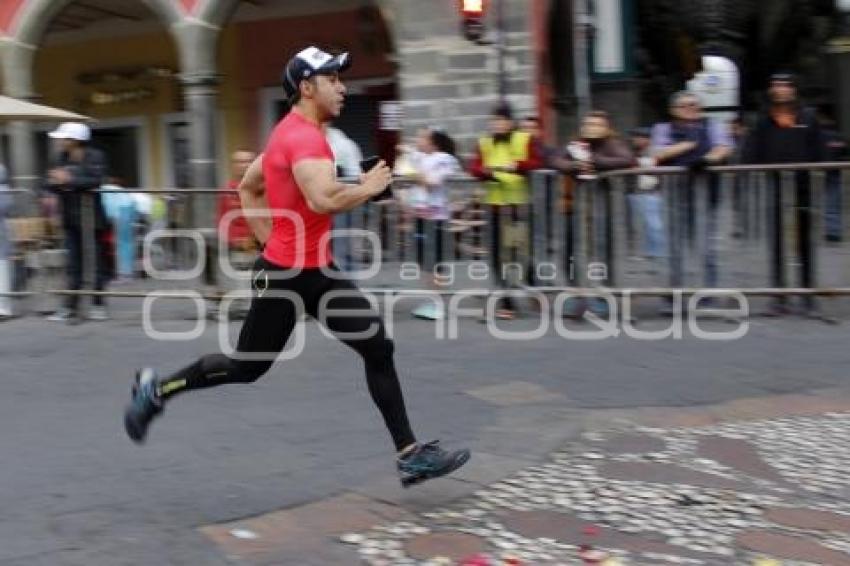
296	176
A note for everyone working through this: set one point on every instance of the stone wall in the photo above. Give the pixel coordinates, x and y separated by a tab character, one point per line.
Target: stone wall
450	82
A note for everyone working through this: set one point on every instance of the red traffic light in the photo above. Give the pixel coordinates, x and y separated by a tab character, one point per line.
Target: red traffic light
472	8
472	18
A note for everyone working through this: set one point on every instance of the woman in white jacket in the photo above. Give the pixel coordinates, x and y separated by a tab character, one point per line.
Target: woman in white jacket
433	163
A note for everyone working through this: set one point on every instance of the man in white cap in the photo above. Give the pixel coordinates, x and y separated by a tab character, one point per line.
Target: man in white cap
296	178
78	172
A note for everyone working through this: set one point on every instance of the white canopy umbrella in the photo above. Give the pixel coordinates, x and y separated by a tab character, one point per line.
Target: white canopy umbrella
14	109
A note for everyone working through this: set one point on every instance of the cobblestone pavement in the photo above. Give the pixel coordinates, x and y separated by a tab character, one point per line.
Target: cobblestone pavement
725	494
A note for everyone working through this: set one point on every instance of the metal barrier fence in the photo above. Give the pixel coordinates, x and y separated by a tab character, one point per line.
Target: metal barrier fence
768	230
760	230
42	249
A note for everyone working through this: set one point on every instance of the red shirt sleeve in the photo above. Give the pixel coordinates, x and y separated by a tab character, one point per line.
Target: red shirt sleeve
222	206
476	166
228	200
534	161
307	144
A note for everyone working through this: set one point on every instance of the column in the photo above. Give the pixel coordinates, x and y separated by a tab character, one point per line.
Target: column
17	67
200	94
198	42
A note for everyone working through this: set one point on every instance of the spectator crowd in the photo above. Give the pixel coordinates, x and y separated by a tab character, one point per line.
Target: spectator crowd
787	131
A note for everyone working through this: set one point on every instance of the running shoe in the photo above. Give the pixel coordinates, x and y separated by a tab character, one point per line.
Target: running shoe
428	311
145	405
429	461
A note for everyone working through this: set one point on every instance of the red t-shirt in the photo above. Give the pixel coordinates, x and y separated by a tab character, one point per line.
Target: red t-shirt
294	139
228	200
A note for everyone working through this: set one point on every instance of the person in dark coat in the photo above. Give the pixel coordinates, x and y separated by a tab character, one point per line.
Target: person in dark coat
74	178
788	132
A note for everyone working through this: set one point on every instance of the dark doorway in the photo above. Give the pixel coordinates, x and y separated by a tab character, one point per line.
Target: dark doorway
121	146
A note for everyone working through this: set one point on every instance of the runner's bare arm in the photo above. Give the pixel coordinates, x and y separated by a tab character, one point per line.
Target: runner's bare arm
326	195
252	194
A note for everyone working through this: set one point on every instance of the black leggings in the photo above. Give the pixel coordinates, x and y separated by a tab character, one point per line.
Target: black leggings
270	322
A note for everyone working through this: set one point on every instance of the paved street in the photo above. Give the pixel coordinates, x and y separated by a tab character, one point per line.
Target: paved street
276	472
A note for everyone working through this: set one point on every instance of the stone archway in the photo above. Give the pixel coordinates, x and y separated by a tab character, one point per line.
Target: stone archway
36	16
262	36
217	12
18	67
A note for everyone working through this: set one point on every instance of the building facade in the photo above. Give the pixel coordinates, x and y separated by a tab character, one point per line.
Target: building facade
176	85
644	50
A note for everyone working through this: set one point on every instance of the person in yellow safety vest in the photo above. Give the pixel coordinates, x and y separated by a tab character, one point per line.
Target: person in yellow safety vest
502	160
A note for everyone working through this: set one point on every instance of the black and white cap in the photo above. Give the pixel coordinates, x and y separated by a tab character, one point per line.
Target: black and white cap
309	63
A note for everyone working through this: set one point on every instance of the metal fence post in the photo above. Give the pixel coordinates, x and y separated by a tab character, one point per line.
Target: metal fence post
536	210
610	257
805	229
776	237
89	244
495	216
674	190
570	236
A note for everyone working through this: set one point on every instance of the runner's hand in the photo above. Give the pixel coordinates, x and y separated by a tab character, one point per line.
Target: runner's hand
377	179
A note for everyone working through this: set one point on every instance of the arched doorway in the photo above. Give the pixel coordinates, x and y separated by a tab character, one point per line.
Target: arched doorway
113	60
